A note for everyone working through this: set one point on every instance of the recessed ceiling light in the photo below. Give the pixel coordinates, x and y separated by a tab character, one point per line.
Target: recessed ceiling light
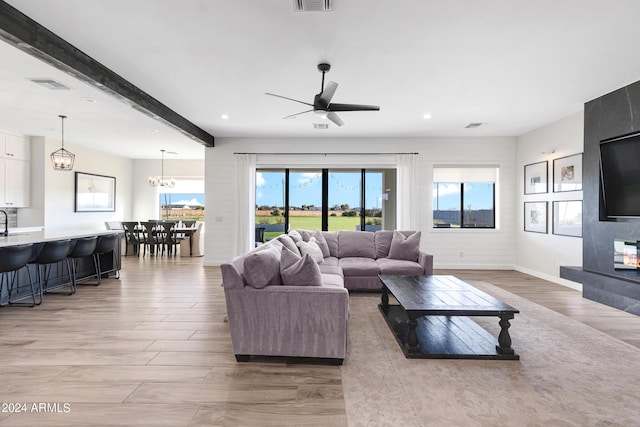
91	100
224	117
427	116
153	130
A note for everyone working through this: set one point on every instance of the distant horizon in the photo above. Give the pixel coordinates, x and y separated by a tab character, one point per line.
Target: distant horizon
183	199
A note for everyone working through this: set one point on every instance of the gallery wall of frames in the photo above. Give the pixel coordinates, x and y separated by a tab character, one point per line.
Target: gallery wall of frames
544	210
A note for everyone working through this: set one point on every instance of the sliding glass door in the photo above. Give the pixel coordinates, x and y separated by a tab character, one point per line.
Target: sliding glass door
324	199
305	199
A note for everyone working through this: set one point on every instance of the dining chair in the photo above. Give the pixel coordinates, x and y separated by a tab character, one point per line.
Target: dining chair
170	239
148	238
131	237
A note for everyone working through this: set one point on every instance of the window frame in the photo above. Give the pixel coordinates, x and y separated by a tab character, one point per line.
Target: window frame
463	226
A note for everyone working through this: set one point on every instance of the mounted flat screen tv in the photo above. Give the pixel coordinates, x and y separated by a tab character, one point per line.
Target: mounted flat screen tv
620	176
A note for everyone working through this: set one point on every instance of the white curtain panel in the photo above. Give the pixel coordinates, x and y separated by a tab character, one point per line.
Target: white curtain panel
407	215
245	203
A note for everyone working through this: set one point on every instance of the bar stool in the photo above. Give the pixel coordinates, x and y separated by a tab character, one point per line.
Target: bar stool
106	244
12	260
80	248
52	252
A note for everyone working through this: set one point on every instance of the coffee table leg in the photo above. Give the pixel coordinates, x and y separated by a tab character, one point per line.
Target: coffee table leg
412	336
384	303
504	339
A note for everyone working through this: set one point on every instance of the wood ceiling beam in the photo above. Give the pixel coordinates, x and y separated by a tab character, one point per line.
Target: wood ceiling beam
27	35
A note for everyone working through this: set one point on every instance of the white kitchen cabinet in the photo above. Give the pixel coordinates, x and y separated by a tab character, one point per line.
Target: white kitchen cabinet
14	147
15	171
15	183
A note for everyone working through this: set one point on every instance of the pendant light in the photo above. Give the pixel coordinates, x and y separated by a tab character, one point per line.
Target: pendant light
62	159
160	181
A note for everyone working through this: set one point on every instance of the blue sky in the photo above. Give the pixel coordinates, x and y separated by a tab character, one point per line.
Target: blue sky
306	189
478	195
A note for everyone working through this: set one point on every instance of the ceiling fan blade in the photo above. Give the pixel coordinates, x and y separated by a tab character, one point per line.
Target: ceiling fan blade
328	92
334	118
296	114
290	99
352	107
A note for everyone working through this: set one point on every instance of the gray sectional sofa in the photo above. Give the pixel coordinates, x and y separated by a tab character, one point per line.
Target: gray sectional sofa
289	297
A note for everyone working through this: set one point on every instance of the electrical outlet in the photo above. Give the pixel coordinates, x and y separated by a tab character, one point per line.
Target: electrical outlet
461	254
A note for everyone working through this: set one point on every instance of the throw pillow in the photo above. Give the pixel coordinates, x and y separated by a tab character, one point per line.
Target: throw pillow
287	241
297	237
312	249
407	248
262	267
322	242
297	271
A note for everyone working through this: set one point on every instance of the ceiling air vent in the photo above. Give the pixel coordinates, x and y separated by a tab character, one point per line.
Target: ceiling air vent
312	5
473	125
50	84
321	125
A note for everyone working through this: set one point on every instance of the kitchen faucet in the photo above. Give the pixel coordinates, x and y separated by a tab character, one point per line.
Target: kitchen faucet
6	223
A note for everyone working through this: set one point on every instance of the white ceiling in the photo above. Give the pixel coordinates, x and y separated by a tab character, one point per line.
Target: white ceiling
513	65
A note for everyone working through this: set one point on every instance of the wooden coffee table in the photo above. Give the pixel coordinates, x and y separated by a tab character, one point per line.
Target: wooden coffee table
432	318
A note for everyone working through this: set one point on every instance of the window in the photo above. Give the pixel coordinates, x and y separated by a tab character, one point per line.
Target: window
464	197
324	199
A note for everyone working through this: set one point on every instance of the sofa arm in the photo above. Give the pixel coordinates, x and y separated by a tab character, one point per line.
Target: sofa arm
297	321
426	261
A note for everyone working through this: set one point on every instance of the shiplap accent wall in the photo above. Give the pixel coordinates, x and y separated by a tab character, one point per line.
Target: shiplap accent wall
462	249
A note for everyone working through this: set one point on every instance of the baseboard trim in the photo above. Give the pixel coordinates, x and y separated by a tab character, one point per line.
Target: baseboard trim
472	267
558	280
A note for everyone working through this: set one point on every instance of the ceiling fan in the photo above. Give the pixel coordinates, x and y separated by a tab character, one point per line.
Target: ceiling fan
322	104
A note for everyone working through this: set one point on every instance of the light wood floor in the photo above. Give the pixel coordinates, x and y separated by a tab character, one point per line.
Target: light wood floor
152	348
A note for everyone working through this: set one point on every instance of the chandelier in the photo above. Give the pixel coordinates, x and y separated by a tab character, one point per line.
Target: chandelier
62	159
160	181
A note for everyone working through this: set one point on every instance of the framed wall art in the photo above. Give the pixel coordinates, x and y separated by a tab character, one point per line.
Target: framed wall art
567	173
95	193
567	218
535	217
535	178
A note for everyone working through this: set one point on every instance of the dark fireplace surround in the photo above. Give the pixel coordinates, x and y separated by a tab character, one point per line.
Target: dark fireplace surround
611	115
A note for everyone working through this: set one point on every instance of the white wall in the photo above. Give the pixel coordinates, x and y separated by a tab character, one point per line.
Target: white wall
146	203
538	254
52	192
480	248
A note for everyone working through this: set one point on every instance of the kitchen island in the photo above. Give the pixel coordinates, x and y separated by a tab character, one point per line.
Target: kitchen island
59	273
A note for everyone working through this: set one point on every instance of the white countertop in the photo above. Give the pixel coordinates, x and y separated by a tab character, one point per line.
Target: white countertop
37	235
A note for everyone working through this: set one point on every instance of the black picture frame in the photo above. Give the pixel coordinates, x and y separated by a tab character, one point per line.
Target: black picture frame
535	178
567	218
94	193
535	217
567	173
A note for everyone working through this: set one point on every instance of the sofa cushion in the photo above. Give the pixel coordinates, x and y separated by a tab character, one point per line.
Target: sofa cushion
399	267
331	269
262	267
331	261
287	241
356	244
322	243
403	247
359	266
334	280
312	249
382	239
298	271
295	236
331	237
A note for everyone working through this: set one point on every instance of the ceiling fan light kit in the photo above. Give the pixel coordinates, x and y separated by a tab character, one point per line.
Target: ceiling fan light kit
322	105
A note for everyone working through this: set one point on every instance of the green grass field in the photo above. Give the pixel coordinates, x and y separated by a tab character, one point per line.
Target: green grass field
313	223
